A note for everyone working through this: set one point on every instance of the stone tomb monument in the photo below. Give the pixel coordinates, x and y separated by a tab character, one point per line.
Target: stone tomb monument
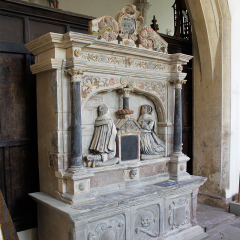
111	165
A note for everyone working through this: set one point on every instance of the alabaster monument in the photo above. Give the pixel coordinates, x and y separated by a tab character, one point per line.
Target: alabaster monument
103	145
110	135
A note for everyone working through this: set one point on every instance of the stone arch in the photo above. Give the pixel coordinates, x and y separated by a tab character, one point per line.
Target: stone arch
211	22
161	114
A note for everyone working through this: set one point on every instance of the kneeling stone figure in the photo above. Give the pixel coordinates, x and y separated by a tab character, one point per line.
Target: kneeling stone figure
150	145
103	145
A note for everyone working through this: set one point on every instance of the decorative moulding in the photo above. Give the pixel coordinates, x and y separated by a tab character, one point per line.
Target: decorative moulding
149	39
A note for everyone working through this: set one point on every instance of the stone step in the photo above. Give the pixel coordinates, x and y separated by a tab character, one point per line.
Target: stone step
209	217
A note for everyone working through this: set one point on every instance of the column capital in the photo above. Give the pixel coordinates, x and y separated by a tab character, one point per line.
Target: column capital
125	91
178	83
75	73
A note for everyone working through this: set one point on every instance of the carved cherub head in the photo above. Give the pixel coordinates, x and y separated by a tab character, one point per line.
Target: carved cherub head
147	219
133	173
102	109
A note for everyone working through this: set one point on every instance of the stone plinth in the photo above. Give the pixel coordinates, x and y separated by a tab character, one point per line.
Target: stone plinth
158	211
235	208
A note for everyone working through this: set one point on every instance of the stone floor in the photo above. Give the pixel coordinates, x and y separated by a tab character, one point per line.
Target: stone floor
218	223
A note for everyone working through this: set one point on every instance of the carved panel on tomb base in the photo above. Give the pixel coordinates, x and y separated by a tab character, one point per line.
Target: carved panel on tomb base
146	223
108	229
177	213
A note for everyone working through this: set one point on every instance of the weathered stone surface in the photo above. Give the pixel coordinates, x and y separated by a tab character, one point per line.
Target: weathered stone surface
149	212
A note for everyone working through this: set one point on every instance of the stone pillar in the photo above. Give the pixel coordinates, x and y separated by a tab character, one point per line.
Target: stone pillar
177	142
142	6
178	160
76	130
125	91
194	206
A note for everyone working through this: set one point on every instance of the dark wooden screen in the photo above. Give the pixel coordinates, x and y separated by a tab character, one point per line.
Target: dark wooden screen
178	45
21	22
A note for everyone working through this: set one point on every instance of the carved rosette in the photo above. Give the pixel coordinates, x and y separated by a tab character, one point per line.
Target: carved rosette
179	213
176	68
77	52
75	73
151	40
105	28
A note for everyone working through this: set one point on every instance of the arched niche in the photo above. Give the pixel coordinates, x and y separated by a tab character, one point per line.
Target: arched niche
113	99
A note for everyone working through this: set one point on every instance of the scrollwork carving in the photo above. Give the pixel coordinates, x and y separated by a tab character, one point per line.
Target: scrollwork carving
178	213
108	229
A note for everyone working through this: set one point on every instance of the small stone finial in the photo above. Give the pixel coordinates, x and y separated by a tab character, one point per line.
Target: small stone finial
154	26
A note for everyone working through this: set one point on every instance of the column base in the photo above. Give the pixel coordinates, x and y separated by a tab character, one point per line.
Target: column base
177	166
77	186
77	169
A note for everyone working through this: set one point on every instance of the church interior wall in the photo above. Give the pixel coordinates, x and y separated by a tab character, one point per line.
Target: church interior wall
162	9
234	7
209	123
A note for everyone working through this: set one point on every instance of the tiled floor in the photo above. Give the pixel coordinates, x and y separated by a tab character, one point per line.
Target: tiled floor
219	223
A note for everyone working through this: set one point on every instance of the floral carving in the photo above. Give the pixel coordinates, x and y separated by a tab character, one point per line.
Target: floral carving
90	83
92	57
113	60
160	67
142	65
105	28
77	52
129	62
151	40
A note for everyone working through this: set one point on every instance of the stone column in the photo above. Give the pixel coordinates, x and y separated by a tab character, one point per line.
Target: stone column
76	129
142	6
125	91
178	161
177	142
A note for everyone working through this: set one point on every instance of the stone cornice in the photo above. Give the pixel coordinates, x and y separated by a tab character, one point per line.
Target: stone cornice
46	65
45	42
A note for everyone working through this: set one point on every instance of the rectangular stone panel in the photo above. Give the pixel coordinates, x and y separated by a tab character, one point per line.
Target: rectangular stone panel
145	223
107	228
129	147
